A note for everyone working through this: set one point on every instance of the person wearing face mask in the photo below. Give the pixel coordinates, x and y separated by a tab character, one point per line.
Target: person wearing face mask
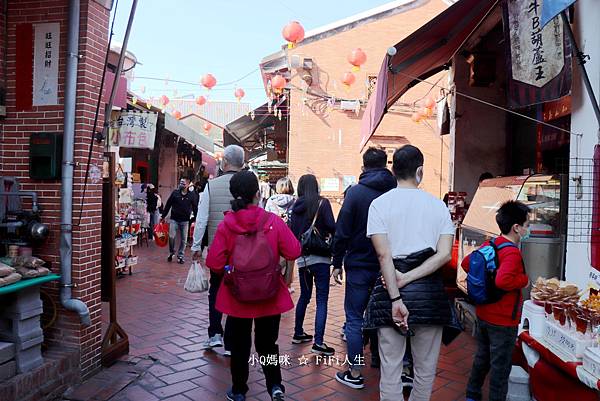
181	204
412	233
498	322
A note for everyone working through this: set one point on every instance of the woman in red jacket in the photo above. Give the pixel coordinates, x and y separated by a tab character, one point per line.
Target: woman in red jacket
245	218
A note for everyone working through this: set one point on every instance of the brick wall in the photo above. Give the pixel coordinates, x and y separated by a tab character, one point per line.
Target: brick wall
14	157
327	143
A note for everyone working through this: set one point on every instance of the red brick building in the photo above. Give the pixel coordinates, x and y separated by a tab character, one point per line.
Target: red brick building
18	21
324	140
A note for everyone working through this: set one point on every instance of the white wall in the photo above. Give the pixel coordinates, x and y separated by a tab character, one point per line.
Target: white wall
587	32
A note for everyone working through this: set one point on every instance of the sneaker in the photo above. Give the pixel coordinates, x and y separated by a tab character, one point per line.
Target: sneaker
180	261
407	380
170	258
347	379
303	338
213	342
322	349
227	353
277	394
235	397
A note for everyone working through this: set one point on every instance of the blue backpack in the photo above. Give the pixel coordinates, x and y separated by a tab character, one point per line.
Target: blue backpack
481	279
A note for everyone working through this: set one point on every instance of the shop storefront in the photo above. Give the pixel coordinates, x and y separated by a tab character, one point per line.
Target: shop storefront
264	136
510	115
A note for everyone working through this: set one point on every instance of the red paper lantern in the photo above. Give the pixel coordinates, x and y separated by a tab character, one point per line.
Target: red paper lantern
200	100
348	78
357	57
293	32
239	94
430	103
164	100
207	126
426	112
278	83
177	114
208	81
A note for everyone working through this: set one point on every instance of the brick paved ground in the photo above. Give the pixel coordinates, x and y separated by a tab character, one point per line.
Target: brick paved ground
166	327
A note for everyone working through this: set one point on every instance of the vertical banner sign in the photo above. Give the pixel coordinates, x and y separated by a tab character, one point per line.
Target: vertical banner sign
132	129
539	60
45	64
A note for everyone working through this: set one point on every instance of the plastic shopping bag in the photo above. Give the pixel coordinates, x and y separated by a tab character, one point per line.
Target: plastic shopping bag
197	279
161	234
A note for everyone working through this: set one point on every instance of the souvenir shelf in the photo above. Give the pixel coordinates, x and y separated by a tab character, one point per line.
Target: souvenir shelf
128	224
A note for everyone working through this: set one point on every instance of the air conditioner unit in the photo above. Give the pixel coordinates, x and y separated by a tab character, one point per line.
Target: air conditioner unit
350	105
299	62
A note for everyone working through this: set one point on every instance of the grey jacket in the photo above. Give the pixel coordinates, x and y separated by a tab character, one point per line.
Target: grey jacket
215	201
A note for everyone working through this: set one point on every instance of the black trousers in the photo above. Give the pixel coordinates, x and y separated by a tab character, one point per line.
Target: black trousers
495	345
266	331
214	316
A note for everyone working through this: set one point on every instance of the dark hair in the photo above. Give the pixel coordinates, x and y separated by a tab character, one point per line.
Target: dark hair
243	187
511	213
485	176
308	188
374	158
407	160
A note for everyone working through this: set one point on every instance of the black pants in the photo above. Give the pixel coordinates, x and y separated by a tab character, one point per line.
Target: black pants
495	345
214	316
266	331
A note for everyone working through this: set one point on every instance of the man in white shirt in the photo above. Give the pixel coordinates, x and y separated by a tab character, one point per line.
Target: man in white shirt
412	233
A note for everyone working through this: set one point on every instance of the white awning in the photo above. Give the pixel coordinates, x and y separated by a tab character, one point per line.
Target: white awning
195	138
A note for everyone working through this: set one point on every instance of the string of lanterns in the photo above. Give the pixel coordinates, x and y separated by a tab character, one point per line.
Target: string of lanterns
425	112
293	33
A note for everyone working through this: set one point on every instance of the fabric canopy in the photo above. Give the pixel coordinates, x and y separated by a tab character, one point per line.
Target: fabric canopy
425	52
245	127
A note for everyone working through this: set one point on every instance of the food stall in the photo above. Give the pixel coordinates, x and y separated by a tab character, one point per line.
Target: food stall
544	252
558	343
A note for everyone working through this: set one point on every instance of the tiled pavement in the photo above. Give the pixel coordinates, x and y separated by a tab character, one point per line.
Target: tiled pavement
166	327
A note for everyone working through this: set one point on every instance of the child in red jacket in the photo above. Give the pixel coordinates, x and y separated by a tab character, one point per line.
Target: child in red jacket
498	322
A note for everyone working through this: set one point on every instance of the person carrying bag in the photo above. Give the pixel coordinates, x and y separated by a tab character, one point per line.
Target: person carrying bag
313	224
246	251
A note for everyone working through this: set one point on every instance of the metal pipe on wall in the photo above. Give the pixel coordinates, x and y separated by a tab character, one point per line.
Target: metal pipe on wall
66	213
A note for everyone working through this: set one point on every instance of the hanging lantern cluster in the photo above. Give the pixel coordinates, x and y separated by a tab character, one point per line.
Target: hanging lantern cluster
357	57
348	79
239	94
177	114
293	33
278	83
200	100
164	100
425	112
208	81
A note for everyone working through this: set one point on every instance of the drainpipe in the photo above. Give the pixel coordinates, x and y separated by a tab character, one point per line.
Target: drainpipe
66	212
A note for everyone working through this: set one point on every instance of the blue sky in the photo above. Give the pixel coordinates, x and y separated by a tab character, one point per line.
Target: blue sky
183	39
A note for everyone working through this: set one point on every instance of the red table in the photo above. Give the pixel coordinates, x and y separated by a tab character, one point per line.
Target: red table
551	378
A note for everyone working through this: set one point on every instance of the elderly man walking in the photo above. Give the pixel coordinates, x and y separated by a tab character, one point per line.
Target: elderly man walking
216	200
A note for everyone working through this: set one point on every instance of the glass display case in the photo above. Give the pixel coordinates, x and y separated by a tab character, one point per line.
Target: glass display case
543	253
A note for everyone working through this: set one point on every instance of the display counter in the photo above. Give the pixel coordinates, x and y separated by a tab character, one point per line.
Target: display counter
544	252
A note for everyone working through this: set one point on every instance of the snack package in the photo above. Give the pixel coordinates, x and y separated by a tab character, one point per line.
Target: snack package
28	261
5	270
10	279
26	272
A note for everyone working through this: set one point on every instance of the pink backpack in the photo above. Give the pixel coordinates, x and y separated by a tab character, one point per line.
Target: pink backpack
255	274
